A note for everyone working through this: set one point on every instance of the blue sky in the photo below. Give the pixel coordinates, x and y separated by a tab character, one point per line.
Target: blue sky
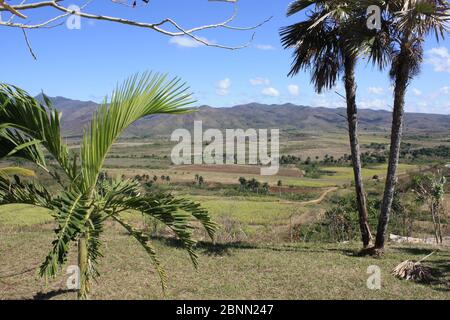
85	64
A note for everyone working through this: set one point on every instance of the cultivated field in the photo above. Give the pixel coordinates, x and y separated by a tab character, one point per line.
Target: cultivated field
258	253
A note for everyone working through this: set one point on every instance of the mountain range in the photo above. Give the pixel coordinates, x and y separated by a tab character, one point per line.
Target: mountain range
76	114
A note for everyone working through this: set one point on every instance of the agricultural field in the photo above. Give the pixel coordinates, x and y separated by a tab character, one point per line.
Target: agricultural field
259	253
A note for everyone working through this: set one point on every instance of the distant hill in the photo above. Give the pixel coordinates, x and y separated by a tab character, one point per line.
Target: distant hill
76	114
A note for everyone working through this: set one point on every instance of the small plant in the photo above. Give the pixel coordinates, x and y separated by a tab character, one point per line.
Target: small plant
230	230
339	223
430	190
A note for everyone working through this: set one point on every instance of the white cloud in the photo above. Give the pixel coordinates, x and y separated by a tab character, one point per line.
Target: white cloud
376	104
439	58
327	101
223	87
259	81
294	90
416	92
271	92
265	47
187	42
445	90
429	106
375	90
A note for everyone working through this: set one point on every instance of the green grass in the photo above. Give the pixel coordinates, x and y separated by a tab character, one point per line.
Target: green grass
309	183
252	212
283	271
20	215
342	174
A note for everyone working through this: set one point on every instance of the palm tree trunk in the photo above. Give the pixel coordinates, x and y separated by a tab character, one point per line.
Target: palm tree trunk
401	83
352	118
83	264
438	216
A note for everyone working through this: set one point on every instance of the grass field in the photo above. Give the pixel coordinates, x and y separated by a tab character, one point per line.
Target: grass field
230	271
342	174
22	215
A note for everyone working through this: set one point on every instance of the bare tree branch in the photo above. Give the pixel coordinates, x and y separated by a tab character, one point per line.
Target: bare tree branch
28	44
11	9
35	5
13	15
158	26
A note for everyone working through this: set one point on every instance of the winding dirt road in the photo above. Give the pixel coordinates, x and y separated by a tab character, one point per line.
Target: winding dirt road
318	200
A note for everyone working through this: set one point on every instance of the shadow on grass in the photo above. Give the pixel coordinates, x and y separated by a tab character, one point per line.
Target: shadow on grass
416	251
347	252
222	249
441	274
51	294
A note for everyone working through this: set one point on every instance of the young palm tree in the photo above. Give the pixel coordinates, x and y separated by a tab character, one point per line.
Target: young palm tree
411	21
328	43
86	202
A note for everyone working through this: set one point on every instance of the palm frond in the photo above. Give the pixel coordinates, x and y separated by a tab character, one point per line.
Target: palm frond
412	57
40	122
139	96
332	30
17	191
299	5
143	240
317	48
15	144
176	213
70	212
423	17
94	230
9	171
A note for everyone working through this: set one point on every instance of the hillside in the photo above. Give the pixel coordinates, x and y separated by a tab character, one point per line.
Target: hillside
76	114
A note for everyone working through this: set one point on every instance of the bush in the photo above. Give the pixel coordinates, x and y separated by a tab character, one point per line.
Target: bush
341	222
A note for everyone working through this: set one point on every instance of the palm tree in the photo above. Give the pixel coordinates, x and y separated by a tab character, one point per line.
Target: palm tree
410	22
85	202
328	43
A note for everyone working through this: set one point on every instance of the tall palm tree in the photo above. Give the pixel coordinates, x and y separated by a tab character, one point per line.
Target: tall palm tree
410	22
85	201
328	43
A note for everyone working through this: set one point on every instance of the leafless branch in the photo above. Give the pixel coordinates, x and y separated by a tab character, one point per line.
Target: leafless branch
126	4
158	26
340	95
7	7
13	15
28	44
